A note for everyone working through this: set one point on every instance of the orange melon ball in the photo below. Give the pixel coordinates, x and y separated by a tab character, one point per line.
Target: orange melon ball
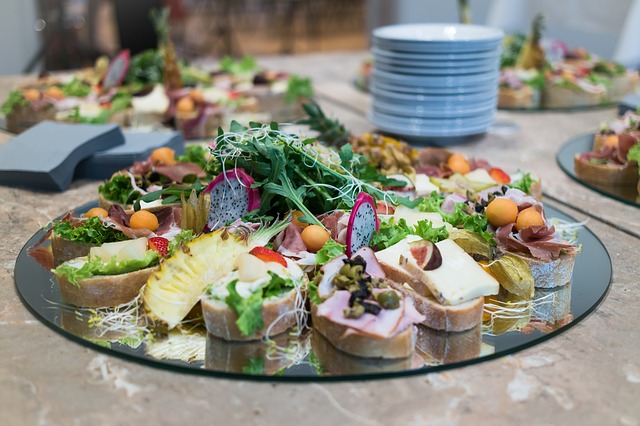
529	217
458	163
314	237
164	155
295	216
31	94
185	104
501	212
143	219
197	95
97	211
54	92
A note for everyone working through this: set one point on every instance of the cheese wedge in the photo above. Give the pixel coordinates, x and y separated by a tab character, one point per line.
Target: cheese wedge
423	185
457	280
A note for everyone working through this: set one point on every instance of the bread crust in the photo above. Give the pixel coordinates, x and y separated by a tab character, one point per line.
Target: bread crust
562	97
64	249
523	98
362	345
608	174
220	318
103	291
553	273
463	316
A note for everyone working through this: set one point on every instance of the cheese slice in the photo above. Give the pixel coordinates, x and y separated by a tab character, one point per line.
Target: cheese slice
424	186
413	216
459	278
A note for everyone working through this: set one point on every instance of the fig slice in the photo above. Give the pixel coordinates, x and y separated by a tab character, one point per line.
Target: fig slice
426	255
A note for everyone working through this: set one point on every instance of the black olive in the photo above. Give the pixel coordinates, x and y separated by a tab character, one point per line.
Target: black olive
371	308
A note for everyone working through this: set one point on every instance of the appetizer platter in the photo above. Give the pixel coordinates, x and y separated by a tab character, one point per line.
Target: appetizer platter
607	161
267	254
539	74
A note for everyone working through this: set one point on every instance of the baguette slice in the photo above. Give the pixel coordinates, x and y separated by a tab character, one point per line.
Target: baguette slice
64	249
220	318
355	343
460	317
337	362
551	274
562	97
624	84
23	117
441	347
608	174
103	291
523	98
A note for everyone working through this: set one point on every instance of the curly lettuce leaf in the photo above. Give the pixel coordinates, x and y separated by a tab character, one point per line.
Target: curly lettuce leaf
97	266
119	189
92	232
15	98
329	250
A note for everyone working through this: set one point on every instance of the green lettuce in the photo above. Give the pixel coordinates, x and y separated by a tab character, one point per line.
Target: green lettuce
329	250
15	98
249	308
119	189
523	184
92	232
634	153
96	266
298	88
391	232
76	88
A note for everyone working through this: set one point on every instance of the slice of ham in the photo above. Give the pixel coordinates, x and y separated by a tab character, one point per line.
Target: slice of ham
289	241
178	171
373	267
329	270
477	163
448	206
387	323
331	222
521	199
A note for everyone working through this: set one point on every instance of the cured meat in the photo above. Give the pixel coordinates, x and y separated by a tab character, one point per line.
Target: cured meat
178	171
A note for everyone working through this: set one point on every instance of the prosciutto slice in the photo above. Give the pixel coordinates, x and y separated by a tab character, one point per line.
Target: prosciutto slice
546	248
178	171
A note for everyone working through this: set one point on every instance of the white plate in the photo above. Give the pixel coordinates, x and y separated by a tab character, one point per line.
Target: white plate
420	131
438	33
463	47
426	90
432	56
435	81
428	71
432	110
447	99
398	62
433	123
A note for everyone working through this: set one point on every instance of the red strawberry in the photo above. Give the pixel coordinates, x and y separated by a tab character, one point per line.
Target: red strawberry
499	175
267	255
159	244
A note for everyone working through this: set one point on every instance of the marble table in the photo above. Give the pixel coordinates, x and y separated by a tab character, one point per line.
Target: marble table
587	375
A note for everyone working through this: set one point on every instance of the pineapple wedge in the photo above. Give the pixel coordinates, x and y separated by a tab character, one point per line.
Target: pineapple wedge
171	292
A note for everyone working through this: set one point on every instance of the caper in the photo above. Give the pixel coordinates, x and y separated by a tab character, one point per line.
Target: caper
355	312
388	299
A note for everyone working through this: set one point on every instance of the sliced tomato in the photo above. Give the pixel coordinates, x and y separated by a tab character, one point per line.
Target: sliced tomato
499	175
268	255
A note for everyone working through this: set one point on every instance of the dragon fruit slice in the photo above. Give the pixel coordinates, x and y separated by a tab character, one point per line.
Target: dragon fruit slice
231	197
362	222
117	70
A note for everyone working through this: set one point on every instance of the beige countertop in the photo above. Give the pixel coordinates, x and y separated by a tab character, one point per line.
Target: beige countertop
588	375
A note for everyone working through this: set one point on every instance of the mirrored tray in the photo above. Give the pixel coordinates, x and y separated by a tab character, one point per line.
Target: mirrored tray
584	143
310	357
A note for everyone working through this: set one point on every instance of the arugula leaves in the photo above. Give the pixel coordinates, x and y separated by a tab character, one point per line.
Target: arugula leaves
249	308
92	231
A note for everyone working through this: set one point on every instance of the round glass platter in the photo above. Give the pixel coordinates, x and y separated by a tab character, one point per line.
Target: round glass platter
584	143
310	357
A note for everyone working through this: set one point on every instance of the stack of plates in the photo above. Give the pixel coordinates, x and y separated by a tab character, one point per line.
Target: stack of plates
435	80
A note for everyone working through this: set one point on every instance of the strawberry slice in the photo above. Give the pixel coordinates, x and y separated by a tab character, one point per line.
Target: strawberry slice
267	255
159	244
499	175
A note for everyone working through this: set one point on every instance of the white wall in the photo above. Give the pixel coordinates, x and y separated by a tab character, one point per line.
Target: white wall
18	39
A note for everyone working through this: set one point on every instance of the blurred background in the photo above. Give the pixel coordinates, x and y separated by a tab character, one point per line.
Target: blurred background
41	35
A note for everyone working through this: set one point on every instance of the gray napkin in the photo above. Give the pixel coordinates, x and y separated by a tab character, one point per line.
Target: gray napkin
45	156
137	147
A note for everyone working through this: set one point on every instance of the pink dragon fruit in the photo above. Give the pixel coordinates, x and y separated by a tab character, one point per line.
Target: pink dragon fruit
231	197
363	221
117	71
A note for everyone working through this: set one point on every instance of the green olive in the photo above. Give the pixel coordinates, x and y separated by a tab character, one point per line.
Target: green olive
388	299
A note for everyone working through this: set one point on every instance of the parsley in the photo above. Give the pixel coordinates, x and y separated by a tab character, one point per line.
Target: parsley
298	88
92	232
